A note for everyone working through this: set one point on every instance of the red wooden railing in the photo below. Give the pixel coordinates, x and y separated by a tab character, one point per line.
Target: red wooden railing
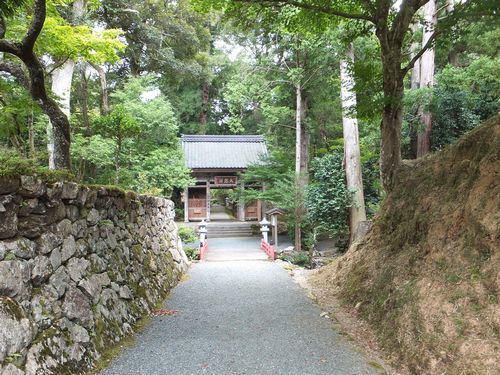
203	251
268	249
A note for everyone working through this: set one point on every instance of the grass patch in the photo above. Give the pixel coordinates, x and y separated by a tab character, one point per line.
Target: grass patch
12	164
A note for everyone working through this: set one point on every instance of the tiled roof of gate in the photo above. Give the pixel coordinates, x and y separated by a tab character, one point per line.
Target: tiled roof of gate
223	151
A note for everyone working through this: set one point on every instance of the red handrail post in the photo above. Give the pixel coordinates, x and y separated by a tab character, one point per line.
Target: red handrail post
203	251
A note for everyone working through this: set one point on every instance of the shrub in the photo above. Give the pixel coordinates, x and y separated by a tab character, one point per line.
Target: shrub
192	253
299	259
187	234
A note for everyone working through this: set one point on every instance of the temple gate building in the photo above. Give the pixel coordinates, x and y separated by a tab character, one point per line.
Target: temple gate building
216	162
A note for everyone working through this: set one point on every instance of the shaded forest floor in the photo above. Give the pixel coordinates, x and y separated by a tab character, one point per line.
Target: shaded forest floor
426	278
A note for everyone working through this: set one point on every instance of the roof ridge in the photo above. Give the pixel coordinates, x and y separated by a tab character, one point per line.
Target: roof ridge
221	138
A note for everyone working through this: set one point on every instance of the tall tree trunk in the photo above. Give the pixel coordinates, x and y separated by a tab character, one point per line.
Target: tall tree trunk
298	177
304	143
427	77
84	97
414	84
204	108
58	119
392	120
351	142
62	78
104	103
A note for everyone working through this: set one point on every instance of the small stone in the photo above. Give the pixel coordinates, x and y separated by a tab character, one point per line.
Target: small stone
82	196
32	187
115	286
91	287
16	331
33	226
98	263
8	223
47	242
55	258
15	276
59	280
27	206
10	369
65	228
41	271
77	267
9	184
79	228
324	314
77	307
93	217
103	279
125	292
68	248
79	334
72	213
20	247
69	190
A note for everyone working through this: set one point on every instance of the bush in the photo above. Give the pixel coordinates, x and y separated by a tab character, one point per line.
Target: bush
192	253
13	164
328	199
187	234
299	259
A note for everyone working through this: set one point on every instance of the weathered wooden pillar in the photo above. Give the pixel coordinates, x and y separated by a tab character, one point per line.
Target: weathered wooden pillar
241	204
186	205
208	198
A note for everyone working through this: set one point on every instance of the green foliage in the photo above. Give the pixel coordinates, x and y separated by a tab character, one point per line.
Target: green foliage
464	97
328	198
187	234
135	145
297	258
117	125
9	7
13	164
161	171
62	40
192	253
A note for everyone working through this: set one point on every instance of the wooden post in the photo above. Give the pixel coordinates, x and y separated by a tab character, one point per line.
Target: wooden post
241	204
208	198
186	205
274	224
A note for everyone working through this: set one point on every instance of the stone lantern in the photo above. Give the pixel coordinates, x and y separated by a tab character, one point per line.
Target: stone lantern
264	229
202	231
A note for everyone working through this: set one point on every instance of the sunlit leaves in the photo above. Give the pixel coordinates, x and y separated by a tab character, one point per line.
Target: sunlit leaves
62	40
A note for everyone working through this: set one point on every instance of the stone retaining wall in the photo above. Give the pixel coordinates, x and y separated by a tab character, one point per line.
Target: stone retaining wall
78	267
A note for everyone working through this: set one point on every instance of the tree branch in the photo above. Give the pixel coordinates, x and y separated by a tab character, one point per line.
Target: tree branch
9	47
3	28
37	22
317	8
420	53
15	71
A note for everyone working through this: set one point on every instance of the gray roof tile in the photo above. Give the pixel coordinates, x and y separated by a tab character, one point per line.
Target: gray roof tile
223	151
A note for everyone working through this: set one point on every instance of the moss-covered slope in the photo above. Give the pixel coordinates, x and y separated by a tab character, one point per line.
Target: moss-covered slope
427	276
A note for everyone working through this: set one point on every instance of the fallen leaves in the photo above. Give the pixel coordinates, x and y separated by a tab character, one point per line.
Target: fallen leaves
163	312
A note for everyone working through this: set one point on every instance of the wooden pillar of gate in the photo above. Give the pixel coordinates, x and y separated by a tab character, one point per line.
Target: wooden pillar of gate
208	198
186	205
241	204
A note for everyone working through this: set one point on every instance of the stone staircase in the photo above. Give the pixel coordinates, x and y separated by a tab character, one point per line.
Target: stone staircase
219	229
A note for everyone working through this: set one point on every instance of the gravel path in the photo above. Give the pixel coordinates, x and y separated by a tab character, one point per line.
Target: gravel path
237	248
240	317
